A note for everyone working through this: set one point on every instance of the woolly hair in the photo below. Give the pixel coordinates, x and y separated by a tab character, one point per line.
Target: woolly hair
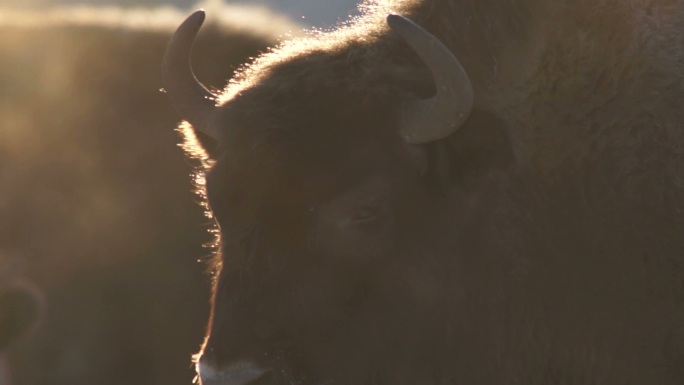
352	46
518	54
538	65
363	31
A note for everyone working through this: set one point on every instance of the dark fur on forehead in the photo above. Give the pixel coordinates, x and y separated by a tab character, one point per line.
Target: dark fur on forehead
309	92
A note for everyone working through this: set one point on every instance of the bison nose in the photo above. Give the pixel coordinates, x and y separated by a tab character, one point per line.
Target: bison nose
240	373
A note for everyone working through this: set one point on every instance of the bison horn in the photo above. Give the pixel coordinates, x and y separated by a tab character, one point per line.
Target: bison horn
438	117
189	97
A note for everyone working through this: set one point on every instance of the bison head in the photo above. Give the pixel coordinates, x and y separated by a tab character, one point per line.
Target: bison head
329	183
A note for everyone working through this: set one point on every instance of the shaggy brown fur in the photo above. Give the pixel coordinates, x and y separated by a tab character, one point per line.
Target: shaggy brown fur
555	254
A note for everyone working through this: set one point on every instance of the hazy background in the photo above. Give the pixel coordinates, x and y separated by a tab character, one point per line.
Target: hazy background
318	13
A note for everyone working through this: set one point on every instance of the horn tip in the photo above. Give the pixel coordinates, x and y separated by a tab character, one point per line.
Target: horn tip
395	21
197	16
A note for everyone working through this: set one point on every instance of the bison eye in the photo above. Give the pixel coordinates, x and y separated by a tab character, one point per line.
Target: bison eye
364	215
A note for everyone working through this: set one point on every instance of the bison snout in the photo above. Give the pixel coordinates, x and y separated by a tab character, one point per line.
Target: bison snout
240	373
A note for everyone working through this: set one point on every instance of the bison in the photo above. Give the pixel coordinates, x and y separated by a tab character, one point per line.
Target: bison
448	192
91	186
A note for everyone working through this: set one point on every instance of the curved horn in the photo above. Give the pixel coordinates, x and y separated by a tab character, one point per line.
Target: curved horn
438	117
189	97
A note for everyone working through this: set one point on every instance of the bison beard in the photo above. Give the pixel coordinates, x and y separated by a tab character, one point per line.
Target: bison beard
537	242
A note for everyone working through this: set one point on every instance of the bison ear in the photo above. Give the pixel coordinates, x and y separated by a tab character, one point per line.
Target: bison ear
21	307
480	147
